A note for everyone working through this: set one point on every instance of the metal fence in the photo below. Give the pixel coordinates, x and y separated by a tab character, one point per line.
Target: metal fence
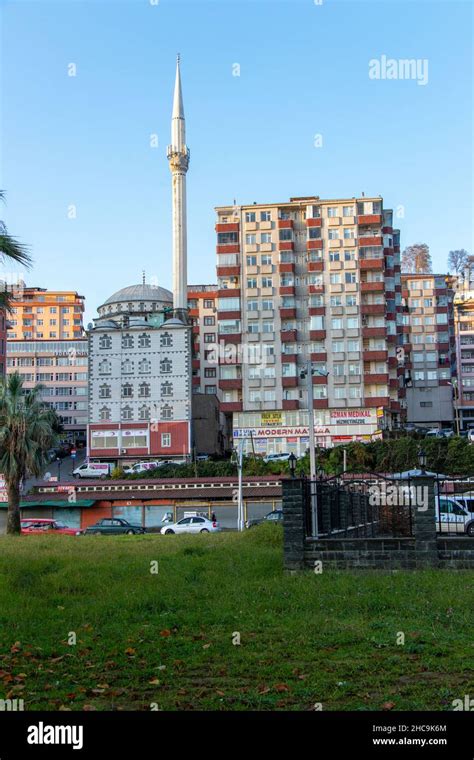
369	506
455	506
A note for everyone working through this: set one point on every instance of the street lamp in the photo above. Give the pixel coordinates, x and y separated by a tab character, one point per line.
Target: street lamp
58	460
422	460
292	464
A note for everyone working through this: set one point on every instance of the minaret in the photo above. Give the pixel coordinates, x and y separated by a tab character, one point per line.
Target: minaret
178	158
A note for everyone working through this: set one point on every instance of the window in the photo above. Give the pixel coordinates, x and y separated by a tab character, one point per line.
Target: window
144	367
333	234
127	367
208	321
252	305
352	323
104	413
267	282
144	390
166	340
253	328
337	346
332	212
350	277
210	372
339	370
349	255
144	341
166	412
209	337
105	391
348	211
266	260
353	345
268	327
251	261
250	239
339	392
127	413
336	323
267	305
105	367
208	303
166	440
266	237
265	216
333	256
127	341
165	366
355	392
251	282
354	370
314	233
127	390
320	391
210	390
351	301
167	389
335	278
144	413
250	216
227	238
285	234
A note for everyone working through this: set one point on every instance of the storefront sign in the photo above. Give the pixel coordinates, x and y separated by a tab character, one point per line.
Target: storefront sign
271	418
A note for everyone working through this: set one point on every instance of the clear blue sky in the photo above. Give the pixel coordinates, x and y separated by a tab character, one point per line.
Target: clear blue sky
84	140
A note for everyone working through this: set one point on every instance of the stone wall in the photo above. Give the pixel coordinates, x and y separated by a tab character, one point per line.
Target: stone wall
423	549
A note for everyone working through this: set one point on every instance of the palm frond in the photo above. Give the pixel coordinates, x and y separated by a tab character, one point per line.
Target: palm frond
12	249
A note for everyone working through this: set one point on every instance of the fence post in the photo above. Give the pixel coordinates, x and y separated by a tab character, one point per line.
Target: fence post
424	521
293	524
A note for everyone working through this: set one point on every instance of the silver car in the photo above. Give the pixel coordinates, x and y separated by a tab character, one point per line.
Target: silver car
196	524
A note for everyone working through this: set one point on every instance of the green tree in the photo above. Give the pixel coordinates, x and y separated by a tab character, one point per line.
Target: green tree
11	250
27	430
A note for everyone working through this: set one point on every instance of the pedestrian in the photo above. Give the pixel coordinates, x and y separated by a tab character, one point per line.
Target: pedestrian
213	517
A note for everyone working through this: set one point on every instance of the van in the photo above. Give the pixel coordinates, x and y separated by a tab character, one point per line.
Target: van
452	516
98	470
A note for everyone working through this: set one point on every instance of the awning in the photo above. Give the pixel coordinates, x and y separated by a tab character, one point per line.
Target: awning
57	504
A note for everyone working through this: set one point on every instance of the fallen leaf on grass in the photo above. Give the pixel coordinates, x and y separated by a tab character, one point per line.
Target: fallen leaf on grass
155	682
16	647
165	633
130	652
281	687
206	646
388	705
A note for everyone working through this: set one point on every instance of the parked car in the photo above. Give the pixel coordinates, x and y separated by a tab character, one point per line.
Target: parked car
453	517
435	433
51	527
203	458
172	462
140	467
114	526
195	524
283	457
275	517
470	435
92	470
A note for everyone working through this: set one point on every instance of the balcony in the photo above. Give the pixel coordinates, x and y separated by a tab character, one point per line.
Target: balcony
367	264
317	311
373	332
287	290
290	403
372	287
286	267
226	271
286	245
196	363
311	245
374	378
232	384
372	308
374	401
320	403
233	338
196	381
287	313
319	380
289	382
317	334
369	219
375	356
370	240
319	357
234	227
231	406
289	336
228	248
229	293
288	358
228	315
313	222
315	266
285	224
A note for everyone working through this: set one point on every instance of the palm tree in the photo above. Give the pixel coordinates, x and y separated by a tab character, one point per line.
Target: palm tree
12	250
27	431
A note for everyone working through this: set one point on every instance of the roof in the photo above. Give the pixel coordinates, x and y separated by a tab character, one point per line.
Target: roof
141	292
29	503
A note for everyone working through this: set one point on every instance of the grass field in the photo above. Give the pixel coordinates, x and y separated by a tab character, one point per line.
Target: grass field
166	639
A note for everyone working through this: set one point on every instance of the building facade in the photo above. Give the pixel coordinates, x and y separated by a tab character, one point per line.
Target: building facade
315	281
202	309
429	349
139	378
464	325
46	344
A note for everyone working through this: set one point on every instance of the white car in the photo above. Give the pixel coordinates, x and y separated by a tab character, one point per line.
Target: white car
284	457
195	524
140	467
470	435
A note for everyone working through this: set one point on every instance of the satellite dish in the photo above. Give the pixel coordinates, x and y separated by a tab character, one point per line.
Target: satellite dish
90	326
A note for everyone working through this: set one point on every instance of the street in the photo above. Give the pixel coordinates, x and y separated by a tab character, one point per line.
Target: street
66	466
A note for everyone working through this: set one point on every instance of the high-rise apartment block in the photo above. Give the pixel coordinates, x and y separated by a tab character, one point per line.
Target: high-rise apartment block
429	349
464	324
46	344
202	310
308	280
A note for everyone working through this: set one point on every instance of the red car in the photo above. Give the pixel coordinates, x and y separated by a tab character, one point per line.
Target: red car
50	527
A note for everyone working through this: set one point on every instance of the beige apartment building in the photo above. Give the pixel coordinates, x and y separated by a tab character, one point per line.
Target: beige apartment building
308	280
464	325
429	349
202	310
46	344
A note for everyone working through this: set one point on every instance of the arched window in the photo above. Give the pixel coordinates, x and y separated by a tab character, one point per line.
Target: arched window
166	340
166	366
104	413
105	341
127	367
144	412
144	390
144	367
104	391
166	389
105	367
166	412
127	390
144	341
127	341
127	413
